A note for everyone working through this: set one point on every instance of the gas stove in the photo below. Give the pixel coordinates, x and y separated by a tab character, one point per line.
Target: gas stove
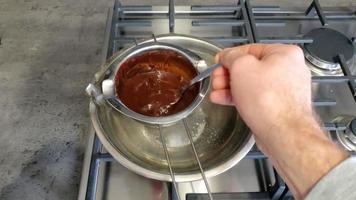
327	38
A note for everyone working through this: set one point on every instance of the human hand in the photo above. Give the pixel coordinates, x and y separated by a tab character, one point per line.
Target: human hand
270	86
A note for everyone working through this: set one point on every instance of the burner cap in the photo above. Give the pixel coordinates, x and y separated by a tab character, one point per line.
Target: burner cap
327	44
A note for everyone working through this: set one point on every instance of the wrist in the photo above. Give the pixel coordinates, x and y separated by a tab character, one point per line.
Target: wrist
303	155
314	156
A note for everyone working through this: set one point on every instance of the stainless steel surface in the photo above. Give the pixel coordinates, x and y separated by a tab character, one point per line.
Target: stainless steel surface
117	182
321	68
116	61
222	136
244	177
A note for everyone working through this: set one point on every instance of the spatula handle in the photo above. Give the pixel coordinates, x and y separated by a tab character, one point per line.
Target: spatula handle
204	74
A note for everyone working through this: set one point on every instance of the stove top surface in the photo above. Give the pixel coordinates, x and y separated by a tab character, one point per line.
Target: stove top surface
231	25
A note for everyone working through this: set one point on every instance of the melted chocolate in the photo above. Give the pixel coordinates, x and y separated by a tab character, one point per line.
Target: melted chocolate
149	83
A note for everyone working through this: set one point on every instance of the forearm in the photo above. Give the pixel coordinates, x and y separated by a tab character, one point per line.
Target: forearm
270	85
302	156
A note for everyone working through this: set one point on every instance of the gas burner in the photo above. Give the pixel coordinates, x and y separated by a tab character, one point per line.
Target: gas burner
327	44
348	138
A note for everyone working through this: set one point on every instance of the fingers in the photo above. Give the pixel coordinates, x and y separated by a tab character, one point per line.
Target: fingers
217	57
221	71
253	52
220	82
222	97
257	50
229	56
238	61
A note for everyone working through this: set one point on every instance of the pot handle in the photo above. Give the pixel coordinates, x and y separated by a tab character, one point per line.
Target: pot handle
93	92
108	88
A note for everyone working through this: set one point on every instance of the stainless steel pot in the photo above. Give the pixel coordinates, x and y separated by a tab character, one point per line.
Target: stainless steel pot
109	89
220	136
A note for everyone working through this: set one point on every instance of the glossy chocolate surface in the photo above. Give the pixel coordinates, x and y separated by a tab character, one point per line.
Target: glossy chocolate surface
149	83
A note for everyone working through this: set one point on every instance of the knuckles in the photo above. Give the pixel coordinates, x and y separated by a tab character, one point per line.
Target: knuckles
295	51
245	59
243	62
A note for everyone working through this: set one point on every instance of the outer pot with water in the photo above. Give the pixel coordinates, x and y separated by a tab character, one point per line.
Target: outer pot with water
220	136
